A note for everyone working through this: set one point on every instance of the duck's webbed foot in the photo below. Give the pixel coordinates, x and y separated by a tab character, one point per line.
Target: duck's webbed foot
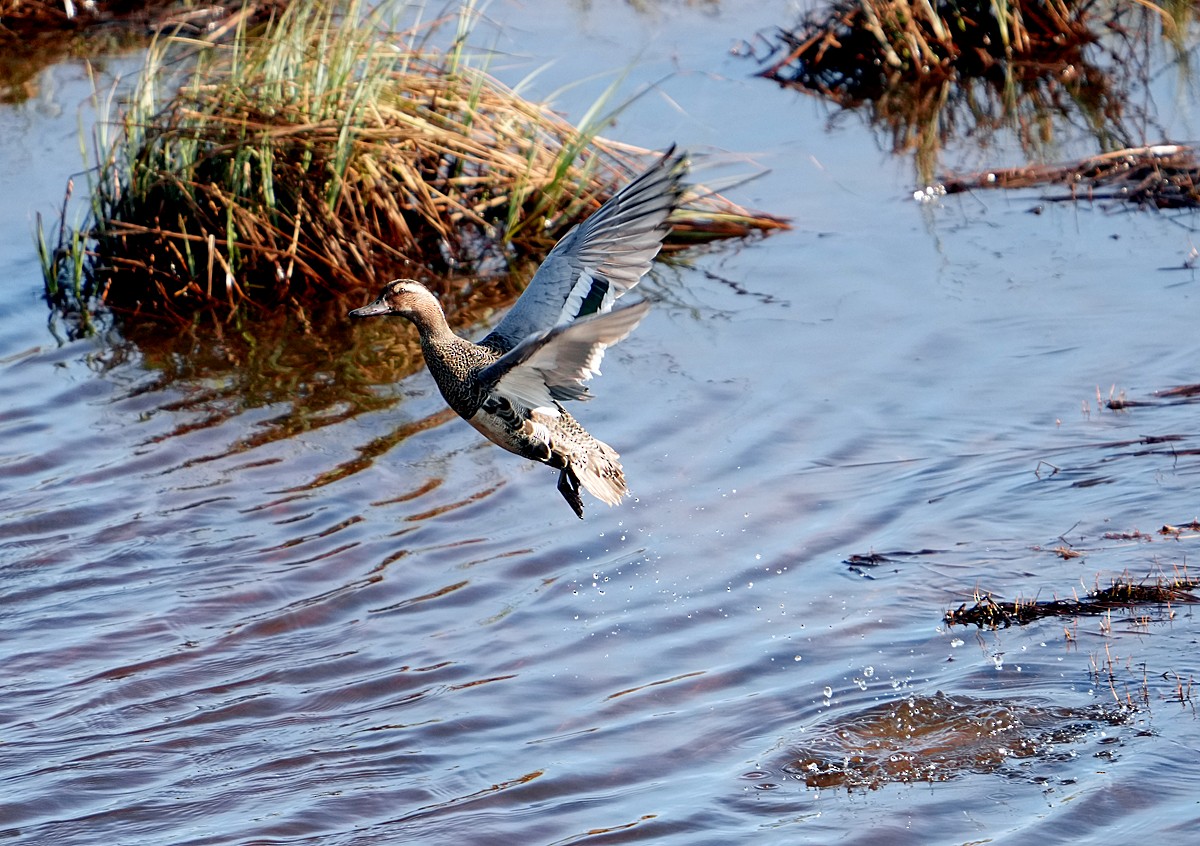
568	486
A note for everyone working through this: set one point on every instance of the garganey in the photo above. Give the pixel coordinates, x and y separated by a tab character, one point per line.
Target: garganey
512	383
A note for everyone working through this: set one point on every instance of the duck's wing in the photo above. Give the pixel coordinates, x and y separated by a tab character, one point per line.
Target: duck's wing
599	259
553	365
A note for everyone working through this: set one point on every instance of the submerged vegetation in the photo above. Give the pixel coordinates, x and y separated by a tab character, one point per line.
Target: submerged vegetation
322	155
937	737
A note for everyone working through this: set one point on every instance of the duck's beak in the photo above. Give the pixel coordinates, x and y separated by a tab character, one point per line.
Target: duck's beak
380	306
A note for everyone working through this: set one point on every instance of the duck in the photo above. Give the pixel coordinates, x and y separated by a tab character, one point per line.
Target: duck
511	384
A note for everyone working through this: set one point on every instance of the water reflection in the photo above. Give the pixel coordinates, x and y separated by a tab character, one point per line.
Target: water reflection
303	369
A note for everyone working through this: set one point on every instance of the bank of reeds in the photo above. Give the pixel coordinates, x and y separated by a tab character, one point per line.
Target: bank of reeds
322	155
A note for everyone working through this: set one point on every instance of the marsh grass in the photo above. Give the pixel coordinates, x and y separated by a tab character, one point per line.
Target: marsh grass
322	155
860	48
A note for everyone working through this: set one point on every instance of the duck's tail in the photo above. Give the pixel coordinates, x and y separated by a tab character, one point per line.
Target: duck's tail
599	472
602	476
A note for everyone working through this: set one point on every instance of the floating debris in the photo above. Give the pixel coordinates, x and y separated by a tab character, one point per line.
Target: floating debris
986	612
1182	391
1134	535
864	563
1163	176
1187	529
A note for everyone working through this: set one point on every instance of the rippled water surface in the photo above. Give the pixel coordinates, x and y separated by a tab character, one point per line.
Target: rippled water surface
251	594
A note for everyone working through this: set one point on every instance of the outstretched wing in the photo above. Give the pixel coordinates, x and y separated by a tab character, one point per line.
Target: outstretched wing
599	259
553	365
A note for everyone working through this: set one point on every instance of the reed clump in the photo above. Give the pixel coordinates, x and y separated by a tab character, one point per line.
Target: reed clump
323	155
927	71
860	48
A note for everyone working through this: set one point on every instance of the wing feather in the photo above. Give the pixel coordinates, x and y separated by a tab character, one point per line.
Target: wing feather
552	366
600	259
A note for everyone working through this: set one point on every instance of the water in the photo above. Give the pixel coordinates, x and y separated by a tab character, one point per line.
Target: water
252	595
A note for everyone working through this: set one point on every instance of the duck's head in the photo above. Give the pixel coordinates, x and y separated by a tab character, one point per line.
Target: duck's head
405	297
